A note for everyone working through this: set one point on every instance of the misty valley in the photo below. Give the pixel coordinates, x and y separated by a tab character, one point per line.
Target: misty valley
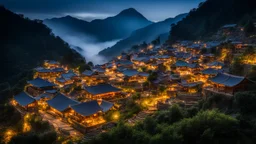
128	72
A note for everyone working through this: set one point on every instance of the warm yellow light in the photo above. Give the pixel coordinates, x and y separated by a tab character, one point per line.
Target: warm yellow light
26	127
116	115
9	132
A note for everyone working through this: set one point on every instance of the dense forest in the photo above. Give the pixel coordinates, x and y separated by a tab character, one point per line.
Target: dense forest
25	44
210	16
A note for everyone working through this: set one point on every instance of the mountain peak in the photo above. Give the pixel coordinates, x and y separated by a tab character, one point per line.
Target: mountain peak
68	17
130	12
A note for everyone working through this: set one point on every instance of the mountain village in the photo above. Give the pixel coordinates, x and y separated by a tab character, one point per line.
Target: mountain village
135	84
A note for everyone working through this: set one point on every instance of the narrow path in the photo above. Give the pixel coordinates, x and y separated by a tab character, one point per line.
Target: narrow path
139	117
59	124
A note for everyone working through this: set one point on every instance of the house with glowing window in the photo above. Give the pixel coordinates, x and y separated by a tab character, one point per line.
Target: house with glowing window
45	73
101	91
89	76
67	78
191	88
194	68
51	64
216	65
182	67
25	101
60	104
141	61
90	113
227	84
125	63
131	75
207	58
37	86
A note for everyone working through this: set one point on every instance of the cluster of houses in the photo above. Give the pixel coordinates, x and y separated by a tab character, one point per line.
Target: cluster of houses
181	68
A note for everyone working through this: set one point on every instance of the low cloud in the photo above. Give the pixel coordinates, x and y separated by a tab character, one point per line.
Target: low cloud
90	49
86	45
89	16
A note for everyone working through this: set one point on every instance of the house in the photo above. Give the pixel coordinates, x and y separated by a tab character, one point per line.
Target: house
89	75
192	87
210	71
45	73
182	67
101	91
125	63
51	64
86	112
227	83
131	75
60	104
48	94
89	113
24	100
37	86
216	65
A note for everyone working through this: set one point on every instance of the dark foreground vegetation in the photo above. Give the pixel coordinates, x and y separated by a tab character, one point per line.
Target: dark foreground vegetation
217	119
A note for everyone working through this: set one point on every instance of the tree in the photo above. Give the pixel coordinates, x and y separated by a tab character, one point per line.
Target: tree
203	51
162	89
152	76
156	41
246	102
136	96
174	114
249	27
249	51
90	64
237	67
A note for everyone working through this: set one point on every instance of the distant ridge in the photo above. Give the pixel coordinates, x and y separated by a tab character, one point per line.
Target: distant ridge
111	28
146	34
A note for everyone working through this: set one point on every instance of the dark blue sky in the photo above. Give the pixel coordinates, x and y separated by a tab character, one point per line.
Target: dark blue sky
154	10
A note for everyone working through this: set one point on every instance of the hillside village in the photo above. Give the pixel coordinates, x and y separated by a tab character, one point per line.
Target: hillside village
138	83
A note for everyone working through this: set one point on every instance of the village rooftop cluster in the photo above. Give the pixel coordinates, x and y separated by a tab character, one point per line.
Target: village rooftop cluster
161	75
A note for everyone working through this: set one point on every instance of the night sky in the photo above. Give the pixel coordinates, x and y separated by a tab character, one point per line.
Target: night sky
154	10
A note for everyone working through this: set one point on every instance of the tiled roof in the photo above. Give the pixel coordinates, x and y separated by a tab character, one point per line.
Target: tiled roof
24	99
100	89
40	83
61	102
87	108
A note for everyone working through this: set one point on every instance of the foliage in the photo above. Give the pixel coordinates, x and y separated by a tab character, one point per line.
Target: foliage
206	127
249	27
237	67
246	102
9	116
156	41
152	76
131	108
136	96
90	64
26	43
43	138
216	101
174	114
209	17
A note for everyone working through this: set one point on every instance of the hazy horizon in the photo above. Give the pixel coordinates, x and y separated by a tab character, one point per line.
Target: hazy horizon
99	9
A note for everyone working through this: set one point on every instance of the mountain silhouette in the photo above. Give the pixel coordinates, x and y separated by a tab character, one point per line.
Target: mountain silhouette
101	30
146	34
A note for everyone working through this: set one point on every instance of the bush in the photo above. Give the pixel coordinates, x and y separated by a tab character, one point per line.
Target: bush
246	102
174	114
209	127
